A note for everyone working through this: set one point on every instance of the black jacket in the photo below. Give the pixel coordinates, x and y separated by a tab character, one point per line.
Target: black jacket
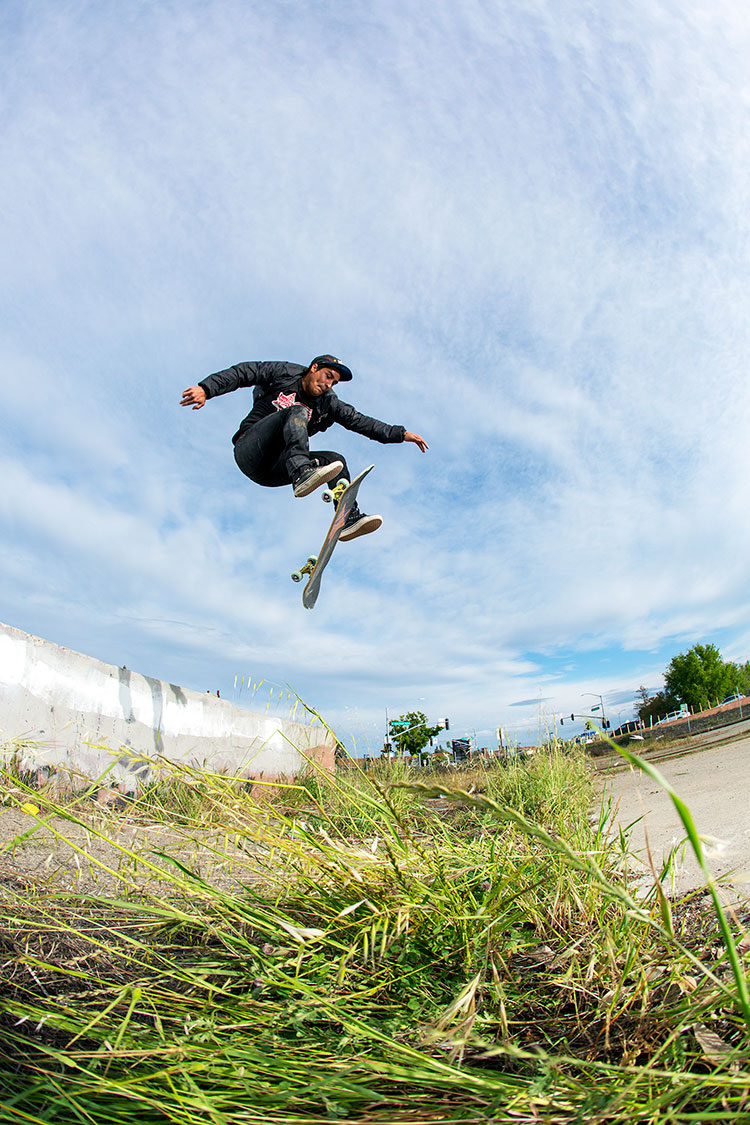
277	385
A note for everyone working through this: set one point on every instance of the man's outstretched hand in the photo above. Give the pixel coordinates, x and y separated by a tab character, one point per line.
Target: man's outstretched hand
193	396
408	436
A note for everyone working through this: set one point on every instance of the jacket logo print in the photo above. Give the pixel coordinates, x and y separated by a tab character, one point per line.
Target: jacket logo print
283	401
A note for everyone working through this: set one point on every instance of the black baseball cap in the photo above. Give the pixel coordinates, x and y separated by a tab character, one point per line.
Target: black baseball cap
335	364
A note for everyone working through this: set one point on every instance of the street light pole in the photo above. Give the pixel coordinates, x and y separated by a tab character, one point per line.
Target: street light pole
597	696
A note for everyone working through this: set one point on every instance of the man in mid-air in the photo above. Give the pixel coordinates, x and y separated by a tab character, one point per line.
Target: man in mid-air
291	402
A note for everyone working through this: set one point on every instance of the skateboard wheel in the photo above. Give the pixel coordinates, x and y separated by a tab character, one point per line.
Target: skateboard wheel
296	576
327	495
312	559
344	483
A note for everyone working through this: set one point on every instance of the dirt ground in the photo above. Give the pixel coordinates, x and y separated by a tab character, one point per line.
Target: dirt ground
713	781
49	854
711	776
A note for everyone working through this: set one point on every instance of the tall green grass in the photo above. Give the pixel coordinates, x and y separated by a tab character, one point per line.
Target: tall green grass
385	950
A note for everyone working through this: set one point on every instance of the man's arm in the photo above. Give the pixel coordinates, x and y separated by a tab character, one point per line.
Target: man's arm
222	382
373	428
241	375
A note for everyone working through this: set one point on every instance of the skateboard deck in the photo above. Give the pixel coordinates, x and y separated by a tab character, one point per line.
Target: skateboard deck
315	565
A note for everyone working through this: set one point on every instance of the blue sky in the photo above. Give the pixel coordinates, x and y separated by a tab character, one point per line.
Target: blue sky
524	226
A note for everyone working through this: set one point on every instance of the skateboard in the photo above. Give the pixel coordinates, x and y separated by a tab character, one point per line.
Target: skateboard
345	494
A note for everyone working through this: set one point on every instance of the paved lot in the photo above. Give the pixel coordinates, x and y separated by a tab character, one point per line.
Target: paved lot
714	783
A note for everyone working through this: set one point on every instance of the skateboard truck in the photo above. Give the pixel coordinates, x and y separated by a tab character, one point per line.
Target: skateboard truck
308	568
336	492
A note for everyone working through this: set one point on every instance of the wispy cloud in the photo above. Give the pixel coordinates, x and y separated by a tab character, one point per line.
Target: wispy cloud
526	232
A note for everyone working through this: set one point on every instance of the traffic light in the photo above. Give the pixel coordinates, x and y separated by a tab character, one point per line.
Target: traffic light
447	725
572	718
605	724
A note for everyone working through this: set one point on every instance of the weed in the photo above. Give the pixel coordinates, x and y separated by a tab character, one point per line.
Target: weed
390	951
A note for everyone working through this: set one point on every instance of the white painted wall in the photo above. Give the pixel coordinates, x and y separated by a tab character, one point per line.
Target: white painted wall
73	712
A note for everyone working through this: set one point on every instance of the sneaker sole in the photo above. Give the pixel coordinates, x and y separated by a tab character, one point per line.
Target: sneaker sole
320	476
365	527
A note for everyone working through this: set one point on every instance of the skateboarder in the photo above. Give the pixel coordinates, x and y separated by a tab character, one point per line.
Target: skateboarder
292	402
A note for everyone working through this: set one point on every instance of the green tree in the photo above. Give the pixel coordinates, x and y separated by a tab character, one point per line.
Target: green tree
743	678
416	733
700	677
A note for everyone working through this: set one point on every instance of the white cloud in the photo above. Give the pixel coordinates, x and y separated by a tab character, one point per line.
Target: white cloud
524	229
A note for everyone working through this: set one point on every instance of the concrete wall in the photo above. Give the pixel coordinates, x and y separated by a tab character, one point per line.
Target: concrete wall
71	712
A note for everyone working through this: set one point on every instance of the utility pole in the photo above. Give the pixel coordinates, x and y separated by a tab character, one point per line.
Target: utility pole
605	721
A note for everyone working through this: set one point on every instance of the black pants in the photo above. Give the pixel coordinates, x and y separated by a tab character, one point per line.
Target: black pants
271	451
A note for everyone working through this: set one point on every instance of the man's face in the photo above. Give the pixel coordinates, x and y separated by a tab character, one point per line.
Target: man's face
318	380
